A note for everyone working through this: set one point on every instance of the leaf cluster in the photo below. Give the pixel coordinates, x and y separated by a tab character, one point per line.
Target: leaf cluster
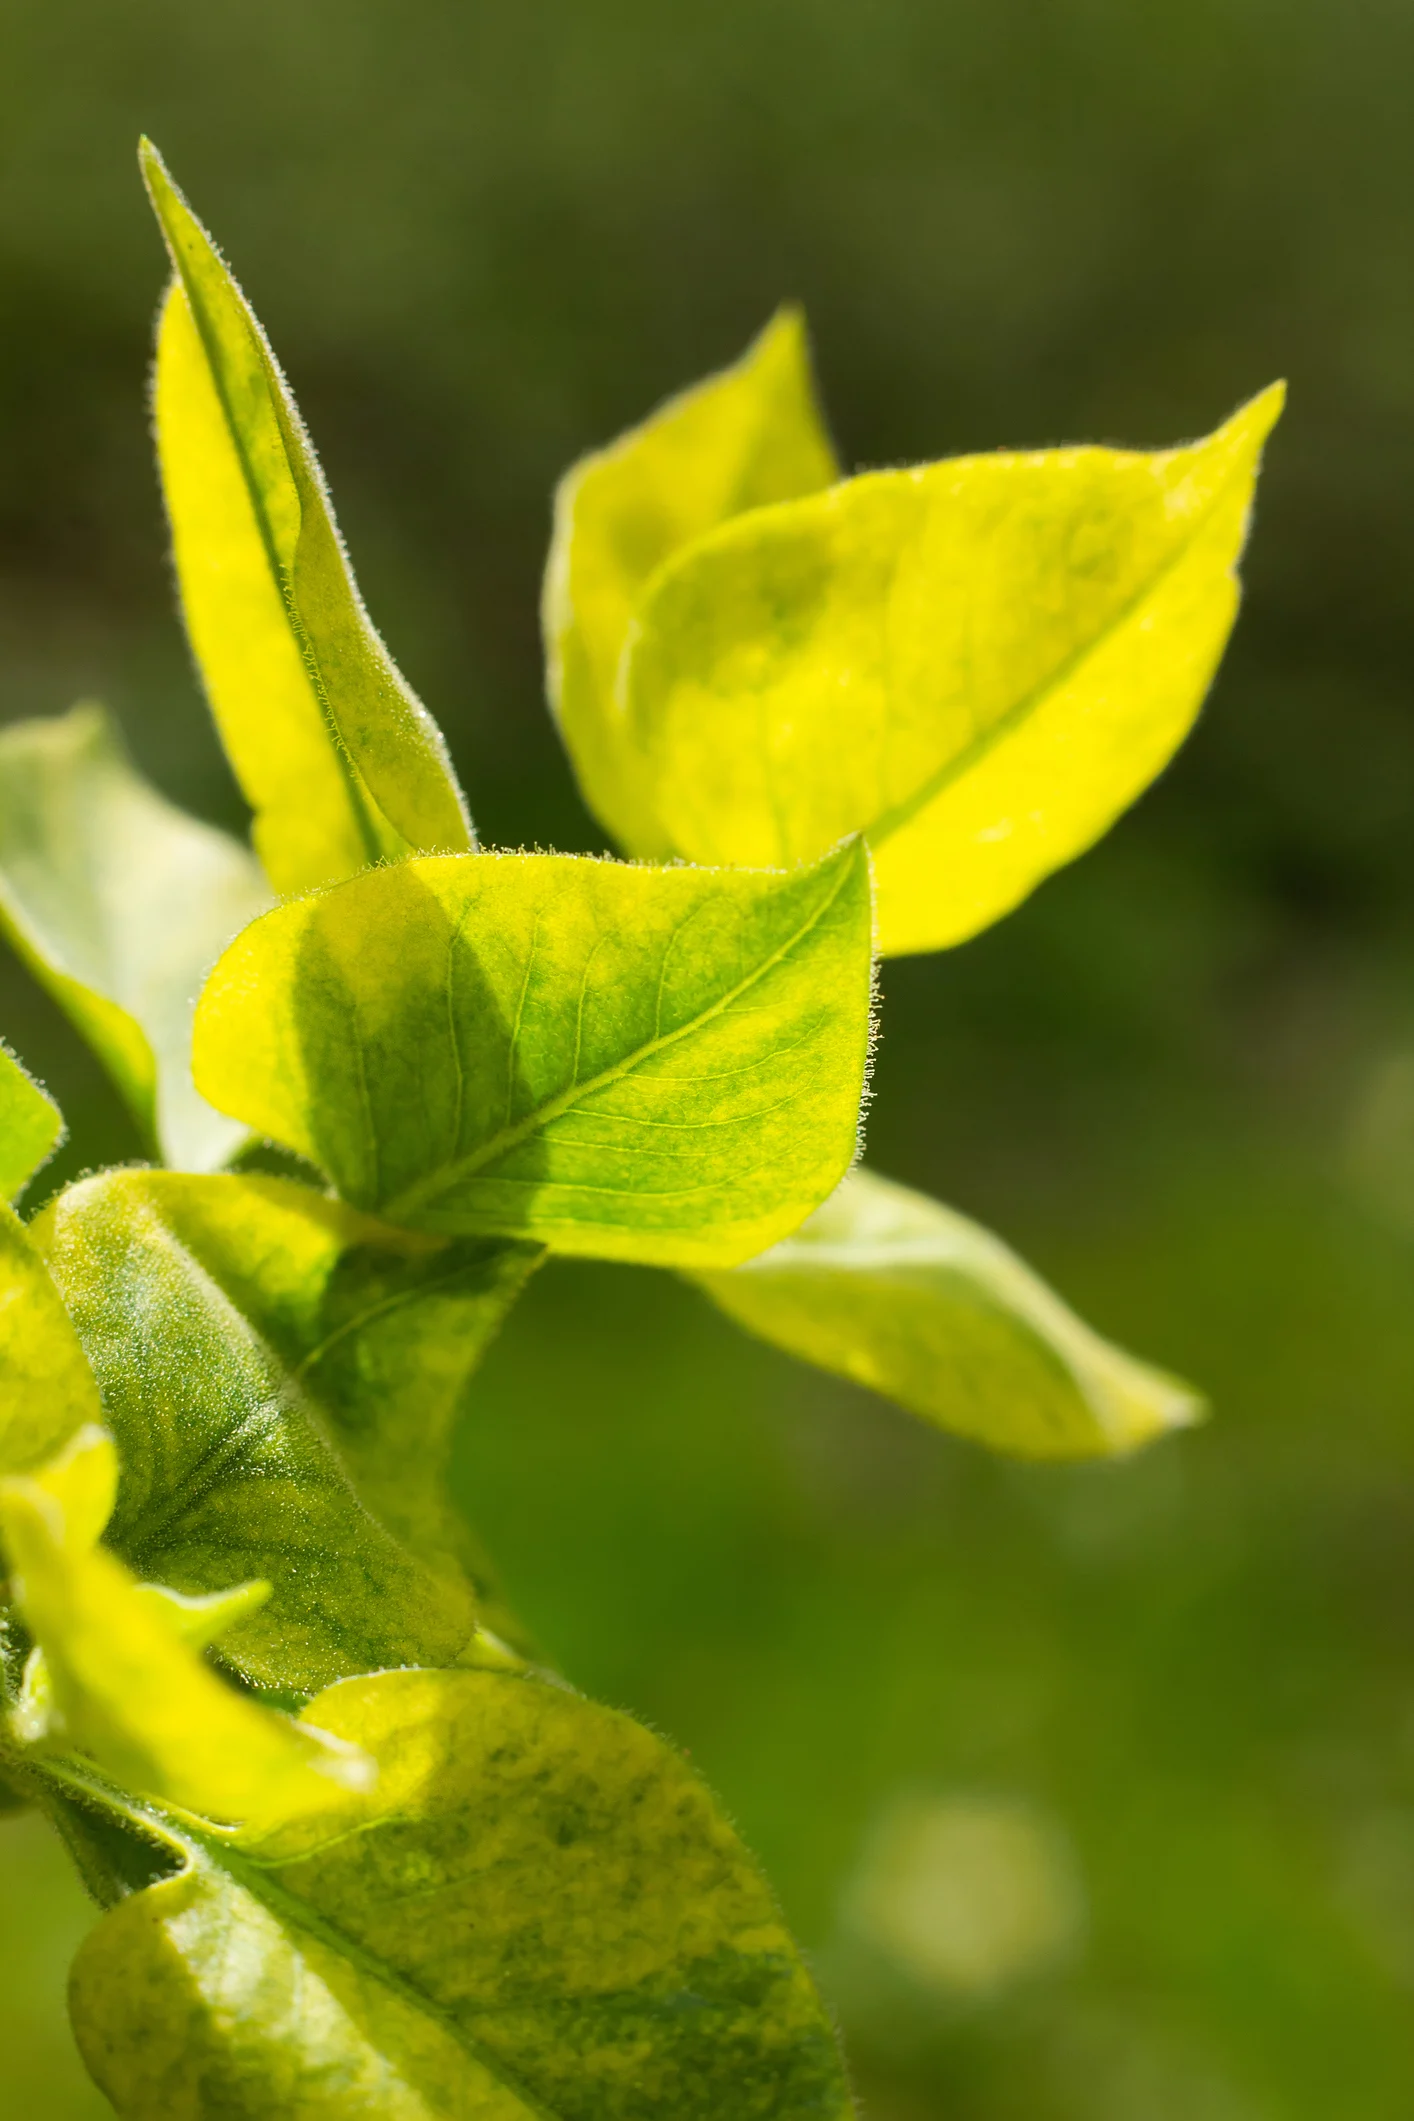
360	1852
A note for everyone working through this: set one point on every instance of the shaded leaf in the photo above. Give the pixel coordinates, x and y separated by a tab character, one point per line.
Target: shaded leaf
47	1390
654	1064
120	903
338	758
543	1913
977	664
123	1686
281	1375
31	1125
901	1294
750	435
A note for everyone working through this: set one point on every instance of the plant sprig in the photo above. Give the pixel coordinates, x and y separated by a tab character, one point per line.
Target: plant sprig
360	1852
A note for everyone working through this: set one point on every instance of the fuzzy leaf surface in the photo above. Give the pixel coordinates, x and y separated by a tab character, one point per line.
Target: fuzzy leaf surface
978	664
338	758
897	1292
120	904
31	1125
747	436
281	1374
633	1063
542	1916
49	1392
123	1684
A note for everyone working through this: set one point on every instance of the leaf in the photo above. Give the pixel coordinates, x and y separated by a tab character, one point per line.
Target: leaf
635	1063
978	665
121	1683
281	1374
31	1125
896	1292
48	1391
542	1917
340	761
750	435
119	903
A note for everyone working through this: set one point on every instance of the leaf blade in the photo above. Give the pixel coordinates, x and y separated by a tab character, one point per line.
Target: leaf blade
916	1302
31	1125
282	1374
603	1943
123	1685
609	1059
338	757
119	903
50	1391
749	435
978	665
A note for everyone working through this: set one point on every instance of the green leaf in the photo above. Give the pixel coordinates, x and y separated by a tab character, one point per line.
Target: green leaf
31	1125
543	1916
123	1685
120	903
751	435
338	758
978	665
281	1374
49	1392
651	1064
896	1292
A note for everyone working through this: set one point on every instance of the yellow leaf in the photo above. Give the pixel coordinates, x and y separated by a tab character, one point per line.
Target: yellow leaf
978	664
750	435
121	1680
340	761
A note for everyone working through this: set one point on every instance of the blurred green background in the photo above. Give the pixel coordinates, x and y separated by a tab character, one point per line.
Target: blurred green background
1091	1791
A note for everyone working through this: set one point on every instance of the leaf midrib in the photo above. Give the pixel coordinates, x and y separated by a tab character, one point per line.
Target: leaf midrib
297	1914
902	813
506	1138
208	334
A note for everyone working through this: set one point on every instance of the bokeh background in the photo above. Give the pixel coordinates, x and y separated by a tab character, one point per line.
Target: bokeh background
1091	1791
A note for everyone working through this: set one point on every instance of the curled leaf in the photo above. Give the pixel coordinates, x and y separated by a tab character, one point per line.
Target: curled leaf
338	758
897	1292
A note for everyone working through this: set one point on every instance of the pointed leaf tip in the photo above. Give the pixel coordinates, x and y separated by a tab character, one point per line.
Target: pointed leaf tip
340	761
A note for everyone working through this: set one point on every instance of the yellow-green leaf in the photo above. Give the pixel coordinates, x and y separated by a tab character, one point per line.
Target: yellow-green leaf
47	1390
339	760
542	1914
750	435
978	665
120	904
31	1125
636	1063
281	1374
122	1684
897	1292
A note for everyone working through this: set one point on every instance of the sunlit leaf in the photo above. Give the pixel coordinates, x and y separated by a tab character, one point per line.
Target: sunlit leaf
654	1064
120	904
339	760
124	1687
542	1914
281	1374
977	664
31	1125
47	1390
750	435
897	1292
